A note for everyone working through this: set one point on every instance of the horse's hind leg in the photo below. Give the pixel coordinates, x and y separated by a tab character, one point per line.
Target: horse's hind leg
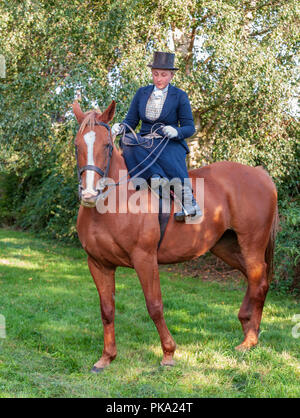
228	250
146	267
104	279
251	262
251	310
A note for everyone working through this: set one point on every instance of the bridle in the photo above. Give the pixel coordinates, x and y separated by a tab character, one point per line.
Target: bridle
102	183
102	174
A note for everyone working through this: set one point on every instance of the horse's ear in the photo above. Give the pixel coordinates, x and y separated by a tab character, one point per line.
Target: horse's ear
78	112
109	113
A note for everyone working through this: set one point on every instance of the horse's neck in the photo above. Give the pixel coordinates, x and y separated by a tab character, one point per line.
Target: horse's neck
118	167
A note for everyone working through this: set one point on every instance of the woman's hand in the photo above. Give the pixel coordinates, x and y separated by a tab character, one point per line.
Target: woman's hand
170	132
116	129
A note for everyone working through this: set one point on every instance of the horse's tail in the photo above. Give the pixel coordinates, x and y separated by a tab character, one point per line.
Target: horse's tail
269	254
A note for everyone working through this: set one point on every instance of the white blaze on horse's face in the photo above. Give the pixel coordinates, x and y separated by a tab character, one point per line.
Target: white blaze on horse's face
89	139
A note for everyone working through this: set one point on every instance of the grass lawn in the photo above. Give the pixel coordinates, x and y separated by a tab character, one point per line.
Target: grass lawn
54	332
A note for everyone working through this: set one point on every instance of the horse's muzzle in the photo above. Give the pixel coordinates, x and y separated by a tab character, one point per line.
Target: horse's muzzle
89	198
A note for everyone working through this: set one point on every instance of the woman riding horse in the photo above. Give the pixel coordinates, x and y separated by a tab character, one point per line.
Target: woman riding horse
166	114
238	225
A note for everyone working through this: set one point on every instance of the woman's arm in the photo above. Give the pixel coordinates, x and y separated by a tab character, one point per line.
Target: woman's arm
185	118
132	118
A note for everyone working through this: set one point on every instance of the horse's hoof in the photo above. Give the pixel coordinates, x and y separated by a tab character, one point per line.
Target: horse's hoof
97	369
242	348
169	363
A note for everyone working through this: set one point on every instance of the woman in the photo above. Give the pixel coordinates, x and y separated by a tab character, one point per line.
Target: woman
165	112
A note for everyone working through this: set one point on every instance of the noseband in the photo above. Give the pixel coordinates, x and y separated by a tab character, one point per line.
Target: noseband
98	170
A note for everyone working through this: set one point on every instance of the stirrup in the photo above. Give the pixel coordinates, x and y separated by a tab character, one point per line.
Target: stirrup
181	216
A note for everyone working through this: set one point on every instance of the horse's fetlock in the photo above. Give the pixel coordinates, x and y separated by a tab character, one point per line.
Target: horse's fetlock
113	355
109	353
169	347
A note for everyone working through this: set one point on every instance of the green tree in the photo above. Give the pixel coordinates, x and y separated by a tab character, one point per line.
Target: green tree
237	59
237	62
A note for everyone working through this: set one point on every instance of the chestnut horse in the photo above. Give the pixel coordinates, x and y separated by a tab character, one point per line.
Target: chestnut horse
238	226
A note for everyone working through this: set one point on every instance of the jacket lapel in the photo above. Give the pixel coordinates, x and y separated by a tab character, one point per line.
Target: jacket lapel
144	99
167	107
169	102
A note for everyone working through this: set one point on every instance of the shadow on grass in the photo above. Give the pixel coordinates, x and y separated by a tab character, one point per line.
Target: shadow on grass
11	240
53	323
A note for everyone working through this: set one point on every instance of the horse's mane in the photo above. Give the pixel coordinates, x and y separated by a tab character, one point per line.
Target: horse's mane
89	120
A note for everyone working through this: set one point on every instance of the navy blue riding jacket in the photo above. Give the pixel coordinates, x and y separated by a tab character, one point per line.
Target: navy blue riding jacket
176	112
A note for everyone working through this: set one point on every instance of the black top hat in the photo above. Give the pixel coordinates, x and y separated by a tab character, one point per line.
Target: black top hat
163	61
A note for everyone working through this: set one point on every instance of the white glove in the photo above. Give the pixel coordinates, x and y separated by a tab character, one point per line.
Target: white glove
116	129
170	132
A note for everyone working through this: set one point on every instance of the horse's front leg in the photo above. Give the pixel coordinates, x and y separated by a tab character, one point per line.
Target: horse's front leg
146	267
104	279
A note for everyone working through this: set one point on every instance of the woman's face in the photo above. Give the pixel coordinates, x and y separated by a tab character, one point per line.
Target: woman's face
161	78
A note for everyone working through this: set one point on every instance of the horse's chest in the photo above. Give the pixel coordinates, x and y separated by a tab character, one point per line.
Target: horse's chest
102	243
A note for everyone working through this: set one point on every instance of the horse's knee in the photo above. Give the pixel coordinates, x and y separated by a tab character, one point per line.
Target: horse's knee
155	310
257	278
259	291
108	315
244	315
264	287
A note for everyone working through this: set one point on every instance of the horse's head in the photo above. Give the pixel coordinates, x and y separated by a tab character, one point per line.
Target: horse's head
94	146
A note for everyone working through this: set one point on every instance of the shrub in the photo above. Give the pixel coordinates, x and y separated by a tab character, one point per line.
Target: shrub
42	199
287	251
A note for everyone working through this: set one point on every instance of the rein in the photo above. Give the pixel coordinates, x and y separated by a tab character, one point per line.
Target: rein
104	173
138	142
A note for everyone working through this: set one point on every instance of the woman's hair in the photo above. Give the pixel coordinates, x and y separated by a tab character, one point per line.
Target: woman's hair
162	69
